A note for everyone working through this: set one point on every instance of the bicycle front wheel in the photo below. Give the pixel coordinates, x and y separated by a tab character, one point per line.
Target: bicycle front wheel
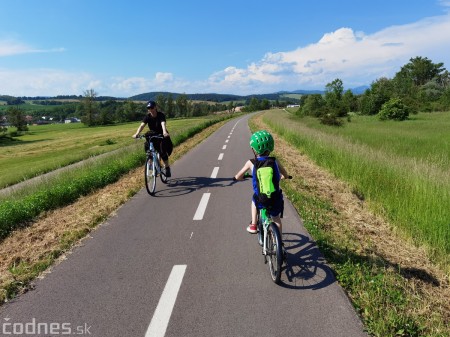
274	252
150	176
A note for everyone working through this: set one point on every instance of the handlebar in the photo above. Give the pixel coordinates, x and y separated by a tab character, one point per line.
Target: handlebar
249	175
150	137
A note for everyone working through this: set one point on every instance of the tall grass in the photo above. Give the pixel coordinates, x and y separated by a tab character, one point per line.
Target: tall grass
413	192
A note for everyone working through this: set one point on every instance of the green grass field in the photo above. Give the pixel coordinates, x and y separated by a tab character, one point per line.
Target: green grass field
401	168
47	147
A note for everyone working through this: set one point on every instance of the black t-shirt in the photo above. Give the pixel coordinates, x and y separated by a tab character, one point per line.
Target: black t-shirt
154	124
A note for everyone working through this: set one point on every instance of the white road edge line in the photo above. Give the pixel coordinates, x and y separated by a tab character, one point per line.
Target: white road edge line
160	320
214	172
202	206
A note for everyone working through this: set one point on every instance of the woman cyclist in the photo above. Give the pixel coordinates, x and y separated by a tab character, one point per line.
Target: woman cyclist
156	121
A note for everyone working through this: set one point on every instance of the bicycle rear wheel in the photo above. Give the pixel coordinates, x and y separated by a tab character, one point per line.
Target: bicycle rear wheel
150	176
274	252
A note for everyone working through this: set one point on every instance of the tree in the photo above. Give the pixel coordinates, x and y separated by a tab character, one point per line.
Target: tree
333	98
90	108
231	107
379	93
314	105
170	107
421	70
181	106
161	101
16	118
349	102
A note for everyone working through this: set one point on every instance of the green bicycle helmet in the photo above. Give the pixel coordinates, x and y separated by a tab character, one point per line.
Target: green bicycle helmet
262	141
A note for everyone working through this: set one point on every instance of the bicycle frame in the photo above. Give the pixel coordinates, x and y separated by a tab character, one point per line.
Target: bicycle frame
153	165
271	246
265	223
155	157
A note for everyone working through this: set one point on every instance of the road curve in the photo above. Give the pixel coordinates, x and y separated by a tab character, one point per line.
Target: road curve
182	264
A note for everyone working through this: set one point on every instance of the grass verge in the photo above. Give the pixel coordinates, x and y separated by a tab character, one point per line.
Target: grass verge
392	284
28	252
20	210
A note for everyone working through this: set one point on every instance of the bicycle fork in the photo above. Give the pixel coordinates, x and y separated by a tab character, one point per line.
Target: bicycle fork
265	233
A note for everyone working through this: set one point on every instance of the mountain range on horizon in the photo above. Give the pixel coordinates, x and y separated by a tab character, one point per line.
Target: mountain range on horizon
197	96
230	97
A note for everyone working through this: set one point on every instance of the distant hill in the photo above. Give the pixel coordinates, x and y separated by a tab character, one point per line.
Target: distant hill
220	98
210	97
291	96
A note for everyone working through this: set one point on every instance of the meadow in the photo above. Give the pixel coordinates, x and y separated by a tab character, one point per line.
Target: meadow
19	207
47	147
402	169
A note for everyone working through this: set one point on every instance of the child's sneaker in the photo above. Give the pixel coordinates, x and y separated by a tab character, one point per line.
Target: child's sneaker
252	228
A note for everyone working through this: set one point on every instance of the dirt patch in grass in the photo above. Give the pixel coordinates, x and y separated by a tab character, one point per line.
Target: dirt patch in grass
367	234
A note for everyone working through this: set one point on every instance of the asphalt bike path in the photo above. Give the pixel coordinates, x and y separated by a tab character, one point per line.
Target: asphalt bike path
182	264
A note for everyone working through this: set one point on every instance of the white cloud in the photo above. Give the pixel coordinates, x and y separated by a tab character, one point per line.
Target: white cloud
163	77
9	47
51	82
354	57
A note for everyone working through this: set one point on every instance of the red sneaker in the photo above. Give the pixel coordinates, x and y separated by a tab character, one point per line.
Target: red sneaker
252	228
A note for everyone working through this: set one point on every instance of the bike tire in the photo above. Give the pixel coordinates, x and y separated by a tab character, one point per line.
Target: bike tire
274	252
150	176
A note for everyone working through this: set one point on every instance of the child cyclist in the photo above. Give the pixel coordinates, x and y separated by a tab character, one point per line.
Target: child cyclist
262	144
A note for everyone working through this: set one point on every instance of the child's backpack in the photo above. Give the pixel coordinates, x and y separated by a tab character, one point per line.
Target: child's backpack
265	173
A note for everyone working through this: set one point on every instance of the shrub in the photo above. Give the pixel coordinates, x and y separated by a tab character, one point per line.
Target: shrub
394	109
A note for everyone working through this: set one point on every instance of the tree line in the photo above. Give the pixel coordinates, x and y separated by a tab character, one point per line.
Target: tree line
420	85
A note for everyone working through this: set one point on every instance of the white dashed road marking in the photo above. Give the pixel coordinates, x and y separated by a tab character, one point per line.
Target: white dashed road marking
160	320
214	172
202	206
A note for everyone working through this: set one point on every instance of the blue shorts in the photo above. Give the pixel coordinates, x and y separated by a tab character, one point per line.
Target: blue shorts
276	209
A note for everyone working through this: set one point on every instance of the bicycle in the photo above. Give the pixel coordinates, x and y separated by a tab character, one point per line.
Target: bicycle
271	241
153	166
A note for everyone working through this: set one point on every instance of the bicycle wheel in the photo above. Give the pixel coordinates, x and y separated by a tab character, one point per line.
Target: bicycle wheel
274	252
150	176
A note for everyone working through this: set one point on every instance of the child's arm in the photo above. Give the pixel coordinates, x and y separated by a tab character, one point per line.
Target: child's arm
284	174
248	166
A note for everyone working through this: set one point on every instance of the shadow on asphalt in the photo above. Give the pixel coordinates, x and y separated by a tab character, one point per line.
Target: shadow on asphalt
181	186
306	267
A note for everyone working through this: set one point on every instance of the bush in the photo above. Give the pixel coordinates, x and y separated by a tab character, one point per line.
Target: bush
330	119
394	109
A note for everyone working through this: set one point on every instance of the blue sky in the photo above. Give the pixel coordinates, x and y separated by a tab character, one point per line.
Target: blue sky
124	48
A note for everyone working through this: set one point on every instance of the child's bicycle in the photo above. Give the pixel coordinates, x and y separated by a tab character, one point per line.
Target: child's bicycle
269	237
153	166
